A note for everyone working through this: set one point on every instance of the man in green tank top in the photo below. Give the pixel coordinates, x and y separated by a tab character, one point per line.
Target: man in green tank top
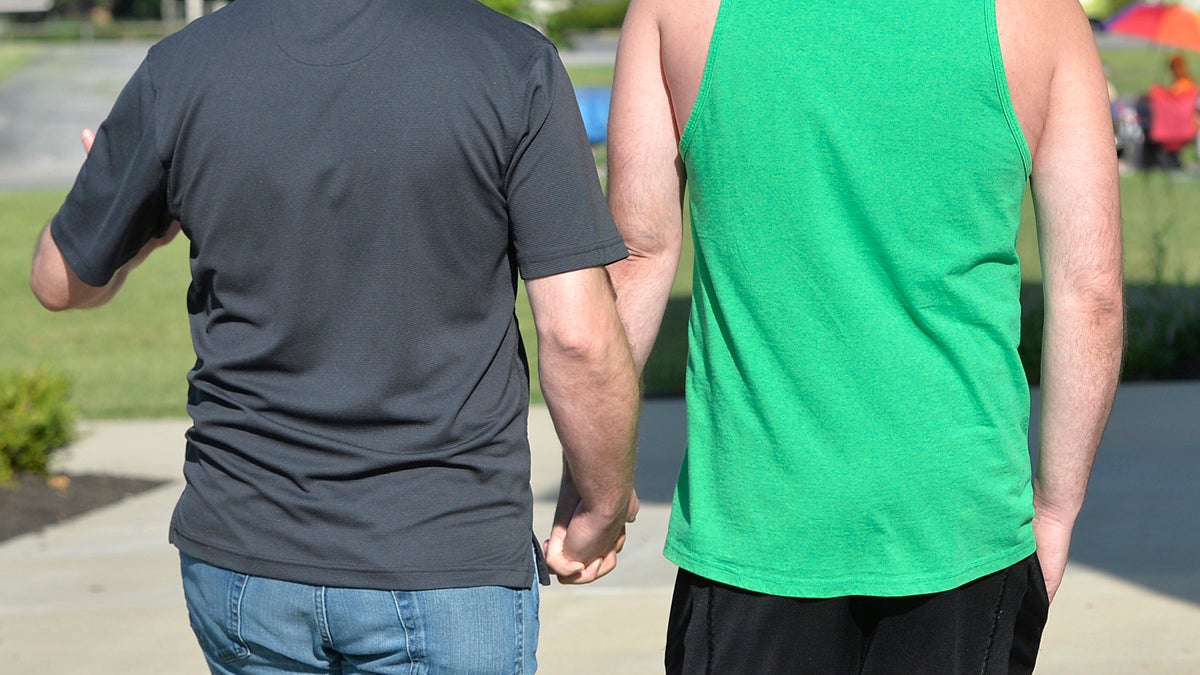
857	493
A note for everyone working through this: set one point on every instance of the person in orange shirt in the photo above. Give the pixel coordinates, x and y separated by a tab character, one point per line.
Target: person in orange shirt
1183	84
1173	123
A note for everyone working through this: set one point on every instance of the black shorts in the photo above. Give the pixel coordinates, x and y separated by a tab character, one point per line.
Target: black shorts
992	625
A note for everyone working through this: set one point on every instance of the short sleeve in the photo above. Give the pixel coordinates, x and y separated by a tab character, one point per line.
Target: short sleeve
559	217
119	199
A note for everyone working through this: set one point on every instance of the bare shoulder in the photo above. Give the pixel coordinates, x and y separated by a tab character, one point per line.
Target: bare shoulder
1048	49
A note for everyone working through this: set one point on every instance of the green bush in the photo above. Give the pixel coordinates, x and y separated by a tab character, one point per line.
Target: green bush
583	15
517	9
36	420
72	30
1162	332
1032	320
666	367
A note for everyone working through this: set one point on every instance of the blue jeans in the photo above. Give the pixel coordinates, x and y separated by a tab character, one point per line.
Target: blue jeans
255	625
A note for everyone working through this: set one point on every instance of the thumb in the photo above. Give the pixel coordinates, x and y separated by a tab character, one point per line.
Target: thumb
88	137
556	560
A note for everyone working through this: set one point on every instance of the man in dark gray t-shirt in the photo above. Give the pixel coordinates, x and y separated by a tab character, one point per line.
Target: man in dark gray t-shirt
361	183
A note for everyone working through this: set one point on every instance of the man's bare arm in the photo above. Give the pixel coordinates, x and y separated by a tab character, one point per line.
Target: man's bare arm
588	381
1075	191
645	179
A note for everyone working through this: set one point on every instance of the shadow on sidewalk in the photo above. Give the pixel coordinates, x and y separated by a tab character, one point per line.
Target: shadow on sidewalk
1140	519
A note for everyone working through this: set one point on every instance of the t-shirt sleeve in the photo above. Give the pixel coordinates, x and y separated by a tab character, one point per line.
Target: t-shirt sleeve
119	200
559	217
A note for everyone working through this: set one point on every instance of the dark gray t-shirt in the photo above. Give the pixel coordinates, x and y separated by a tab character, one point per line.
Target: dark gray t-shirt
360	183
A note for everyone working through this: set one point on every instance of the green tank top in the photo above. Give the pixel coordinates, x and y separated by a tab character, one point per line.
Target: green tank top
857	412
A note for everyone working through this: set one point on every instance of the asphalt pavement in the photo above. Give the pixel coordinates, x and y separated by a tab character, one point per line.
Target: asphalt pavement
64	88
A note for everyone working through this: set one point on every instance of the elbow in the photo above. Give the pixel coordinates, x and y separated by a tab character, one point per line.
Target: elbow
1103	298
653	243
54	303
592	350
1095	309
577	344
649	231
50	277
1100	293
51	296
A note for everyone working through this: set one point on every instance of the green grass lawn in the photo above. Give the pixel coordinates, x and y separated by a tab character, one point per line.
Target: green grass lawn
13	57
129	359
591	76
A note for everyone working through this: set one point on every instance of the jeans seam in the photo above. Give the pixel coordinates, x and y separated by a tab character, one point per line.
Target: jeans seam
238	592
412	662
518	619
323	616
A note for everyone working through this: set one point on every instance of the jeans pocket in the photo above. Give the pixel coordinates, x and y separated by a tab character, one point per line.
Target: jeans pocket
214	602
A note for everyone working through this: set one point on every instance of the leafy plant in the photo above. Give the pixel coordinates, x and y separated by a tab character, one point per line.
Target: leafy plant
1162	332
585	15
36	420
517	9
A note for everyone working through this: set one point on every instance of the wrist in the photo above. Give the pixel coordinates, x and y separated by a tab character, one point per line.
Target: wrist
1060	511
610	509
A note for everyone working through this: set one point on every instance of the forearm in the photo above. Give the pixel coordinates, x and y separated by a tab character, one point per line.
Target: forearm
643	285
593	396
646	180
1076	196
1083	341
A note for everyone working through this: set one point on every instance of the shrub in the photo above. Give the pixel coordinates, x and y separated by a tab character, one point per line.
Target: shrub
75	30
666	367
1032	321
518	9
36	420
1162	332
584	15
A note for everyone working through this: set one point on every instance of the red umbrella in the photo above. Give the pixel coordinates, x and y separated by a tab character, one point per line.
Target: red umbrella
1169	25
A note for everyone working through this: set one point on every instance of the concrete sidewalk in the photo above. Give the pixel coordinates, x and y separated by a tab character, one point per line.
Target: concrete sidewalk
100	594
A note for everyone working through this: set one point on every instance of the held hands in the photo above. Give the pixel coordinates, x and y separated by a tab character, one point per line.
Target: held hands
584	543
